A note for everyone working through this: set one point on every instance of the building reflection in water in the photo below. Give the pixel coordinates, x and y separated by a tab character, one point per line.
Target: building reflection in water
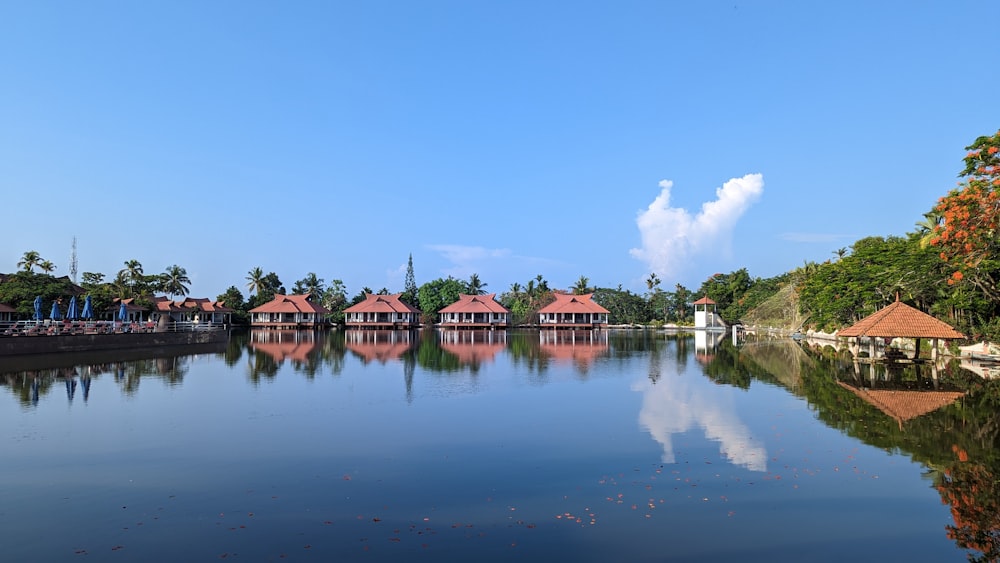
706	342
380	345
579	347
473	347
294	345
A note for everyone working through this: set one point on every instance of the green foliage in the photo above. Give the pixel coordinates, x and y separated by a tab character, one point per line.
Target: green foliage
21	288
409	295
335	299
525	301
624	307
233	299
311	284
878	269
438	294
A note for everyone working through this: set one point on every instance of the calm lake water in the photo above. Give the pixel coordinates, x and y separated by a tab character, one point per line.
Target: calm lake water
473	446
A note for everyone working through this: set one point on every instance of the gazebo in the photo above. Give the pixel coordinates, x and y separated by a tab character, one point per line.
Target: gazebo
899	320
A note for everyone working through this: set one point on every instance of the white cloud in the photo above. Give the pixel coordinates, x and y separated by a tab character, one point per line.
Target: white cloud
671	236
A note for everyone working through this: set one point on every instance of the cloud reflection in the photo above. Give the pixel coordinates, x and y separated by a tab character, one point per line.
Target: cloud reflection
675	405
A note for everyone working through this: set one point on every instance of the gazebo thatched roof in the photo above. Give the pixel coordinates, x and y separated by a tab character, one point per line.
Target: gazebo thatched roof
901	320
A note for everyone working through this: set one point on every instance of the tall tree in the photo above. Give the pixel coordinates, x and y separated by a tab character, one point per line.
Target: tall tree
475	285
410	289
174	281
311	284
30	259
968	236
46	266
581	286
255	278
132	273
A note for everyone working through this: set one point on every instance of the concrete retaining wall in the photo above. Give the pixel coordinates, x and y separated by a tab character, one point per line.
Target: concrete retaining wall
24	345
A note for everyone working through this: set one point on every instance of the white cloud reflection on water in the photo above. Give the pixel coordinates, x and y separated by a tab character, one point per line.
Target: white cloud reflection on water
676	405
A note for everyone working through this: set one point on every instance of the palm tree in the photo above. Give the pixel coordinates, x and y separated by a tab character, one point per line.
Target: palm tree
927	229
46	266
475	285
132	272
120	285
174	280
580	287
30	259
255	280
310	284
840	252
542	286
653	282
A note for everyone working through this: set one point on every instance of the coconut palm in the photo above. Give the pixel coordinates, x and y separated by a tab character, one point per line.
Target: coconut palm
928	228
30	259
475	285
174	280
132	273
46	266
581	285
255	280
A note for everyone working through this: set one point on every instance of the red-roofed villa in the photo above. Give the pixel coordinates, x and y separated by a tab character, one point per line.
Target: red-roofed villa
475	312
382	312
289	311
191	310
573	312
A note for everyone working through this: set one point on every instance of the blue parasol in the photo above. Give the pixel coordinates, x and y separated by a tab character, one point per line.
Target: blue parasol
56	314
38	308
122	313
72	312
88	309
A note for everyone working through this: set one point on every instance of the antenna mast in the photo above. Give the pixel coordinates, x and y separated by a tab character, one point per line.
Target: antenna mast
72	261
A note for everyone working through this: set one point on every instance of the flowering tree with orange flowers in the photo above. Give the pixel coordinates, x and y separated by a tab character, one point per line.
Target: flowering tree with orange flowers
967	233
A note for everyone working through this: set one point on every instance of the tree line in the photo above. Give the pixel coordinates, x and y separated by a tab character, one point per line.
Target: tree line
948	266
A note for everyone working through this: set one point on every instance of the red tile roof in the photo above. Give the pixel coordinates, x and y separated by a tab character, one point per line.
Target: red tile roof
476	304
704	301
901	320
567	303
382	304
163	304
291	304
7	309
130	306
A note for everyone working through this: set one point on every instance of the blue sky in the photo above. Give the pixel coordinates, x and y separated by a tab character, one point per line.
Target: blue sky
508	139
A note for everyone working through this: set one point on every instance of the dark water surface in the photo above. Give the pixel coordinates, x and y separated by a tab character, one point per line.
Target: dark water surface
472	446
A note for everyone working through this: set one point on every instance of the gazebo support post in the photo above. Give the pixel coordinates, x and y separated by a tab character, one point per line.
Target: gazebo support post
916	348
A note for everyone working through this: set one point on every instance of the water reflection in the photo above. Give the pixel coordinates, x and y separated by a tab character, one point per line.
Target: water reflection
473	348
944	416
380	346
581	348
30	385
678	405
